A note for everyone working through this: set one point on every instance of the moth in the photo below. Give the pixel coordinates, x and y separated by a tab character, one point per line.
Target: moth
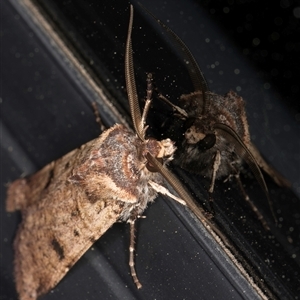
212	133
74	200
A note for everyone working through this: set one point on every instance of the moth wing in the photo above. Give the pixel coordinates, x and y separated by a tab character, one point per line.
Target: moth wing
61	219
26	191
54	234
273	173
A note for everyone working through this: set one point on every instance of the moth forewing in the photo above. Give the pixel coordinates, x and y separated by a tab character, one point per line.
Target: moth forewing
60	218
72	201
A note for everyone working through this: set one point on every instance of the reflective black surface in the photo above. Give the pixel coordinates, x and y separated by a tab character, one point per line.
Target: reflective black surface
46	113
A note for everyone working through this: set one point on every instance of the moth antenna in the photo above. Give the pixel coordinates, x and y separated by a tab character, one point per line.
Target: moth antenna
244	153
196	75
130	83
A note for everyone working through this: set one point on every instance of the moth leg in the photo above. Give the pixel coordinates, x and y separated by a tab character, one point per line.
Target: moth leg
176	108
98	118
251	204
162	190
131	254
147	104
179	110
215	168
148	98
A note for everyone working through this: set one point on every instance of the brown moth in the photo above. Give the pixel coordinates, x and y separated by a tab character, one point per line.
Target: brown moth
212	133
74	200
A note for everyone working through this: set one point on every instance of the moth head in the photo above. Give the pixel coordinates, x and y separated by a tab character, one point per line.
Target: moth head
199	136
163	151
167	149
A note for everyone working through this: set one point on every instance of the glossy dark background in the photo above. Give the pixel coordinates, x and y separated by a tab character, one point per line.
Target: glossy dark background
46	113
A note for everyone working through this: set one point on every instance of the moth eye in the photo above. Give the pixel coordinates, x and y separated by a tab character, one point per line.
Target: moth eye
207	142
151	168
